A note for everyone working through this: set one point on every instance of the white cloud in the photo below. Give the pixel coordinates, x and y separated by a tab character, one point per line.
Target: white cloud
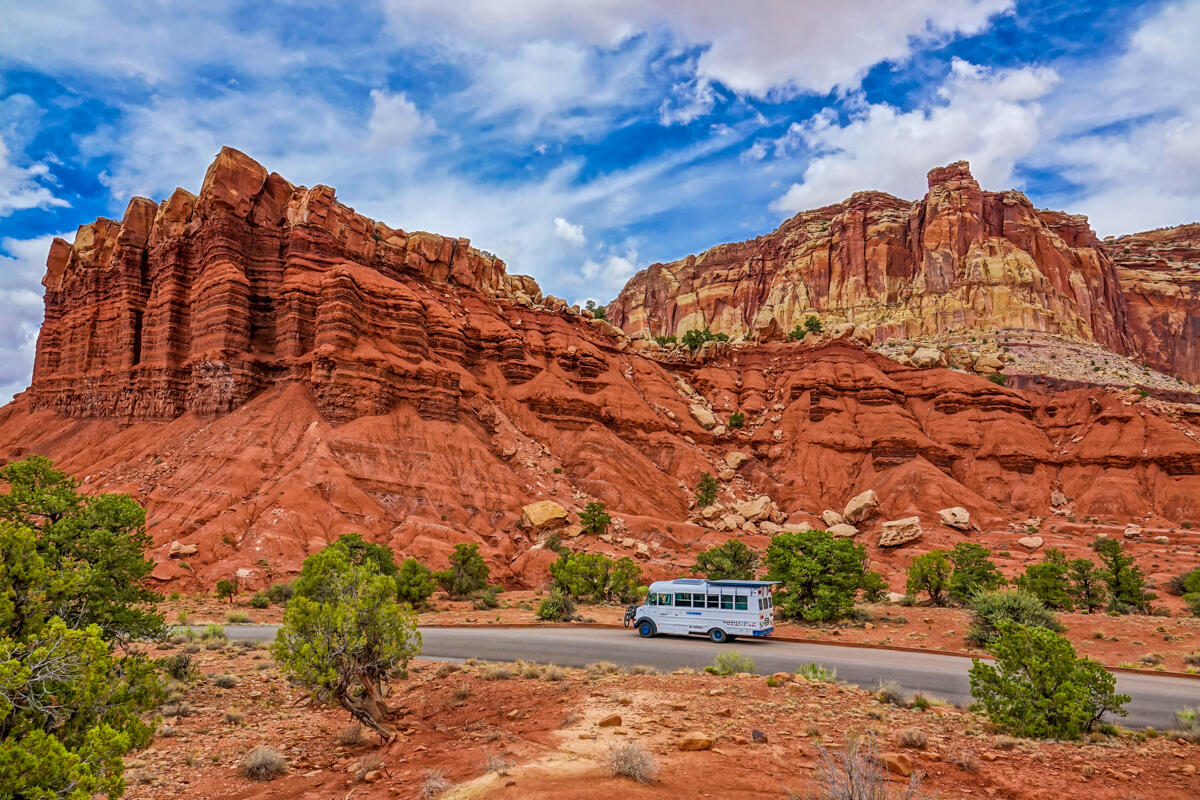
395	121
22	264
689	102
25	187
989	117
568	232
611	271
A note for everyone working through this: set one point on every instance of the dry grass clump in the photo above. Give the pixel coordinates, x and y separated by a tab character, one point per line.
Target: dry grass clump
497	764
461	693
914	737
498	672
631	760
554	674
369	764
225	681
434	784
351	735
964	760
601	668
857	773
263	763
1005	742
642	669
569	719
889	692
449	668
235	717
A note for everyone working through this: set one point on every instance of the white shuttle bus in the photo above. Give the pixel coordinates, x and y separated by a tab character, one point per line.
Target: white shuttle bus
720	610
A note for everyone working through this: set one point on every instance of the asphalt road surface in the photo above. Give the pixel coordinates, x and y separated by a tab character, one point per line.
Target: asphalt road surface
1155	698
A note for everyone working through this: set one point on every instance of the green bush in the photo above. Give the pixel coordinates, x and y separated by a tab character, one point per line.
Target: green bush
990	609
414	582
487	600
973	572
598	311
1124	580
558	607
873	587
706	490
819	575
730	561
1087	585
998	378
595	519
1038	687
259	600
238	618
1048	581
736	420
280	593
929	574
360	551
694	339
665	341
467	573
596	578
344	633
731	662
226	590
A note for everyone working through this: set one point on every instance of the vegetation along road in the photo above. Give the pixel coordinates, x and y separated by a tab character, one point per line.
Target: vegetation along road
1155	698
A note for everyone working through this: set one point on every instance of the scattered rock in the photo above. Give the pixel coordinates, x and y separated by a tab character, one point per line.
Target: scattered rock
900	531
1058	499
1030	542
897	763
543	515
926	357
695	741
1162	540
862	506
611	721
758	737
832	518
703	415
1132	531
736	459
956	517
842	531
179	550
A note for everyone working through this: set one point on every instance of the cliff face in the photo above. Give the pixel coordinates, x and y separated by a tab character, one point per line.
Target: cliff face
267	370
960	259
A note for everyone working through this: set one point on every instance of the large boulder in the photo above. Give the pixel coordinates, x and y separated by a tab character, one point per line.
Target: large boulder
178	549
988	364
926	357
695	740
842	531
861	507
900	531
832	518
736	458
543	515
956	517
1030	542
761	507
703	415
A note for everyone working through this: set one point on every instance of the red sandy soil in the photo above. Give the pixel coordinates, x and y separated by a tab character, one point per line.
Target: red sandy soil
548	732
1111	640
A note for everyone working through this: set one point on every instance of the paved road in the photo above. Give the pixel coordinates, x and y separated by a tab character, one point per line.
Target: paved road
1156	698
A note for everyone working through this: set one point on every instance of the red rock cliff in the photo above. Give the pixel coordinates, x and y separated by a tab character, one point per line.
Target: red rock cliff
960	259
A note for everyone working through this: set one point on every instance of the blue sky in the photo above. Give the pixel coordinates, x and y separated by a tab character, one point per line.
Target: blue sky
583	141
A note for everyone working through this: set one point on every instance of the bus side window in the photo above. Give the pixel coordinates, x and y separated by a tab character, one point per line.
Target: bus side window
740	602
683	600
664	599
727	602
714	601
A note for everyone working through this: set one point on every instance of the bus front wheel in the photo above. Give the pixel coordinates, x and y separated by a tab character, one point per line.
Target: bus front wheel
719	636
646	629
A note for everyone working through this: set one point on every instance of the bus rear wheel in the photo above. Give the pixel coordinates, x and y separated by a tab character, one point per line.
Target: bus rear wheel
719	636
646	629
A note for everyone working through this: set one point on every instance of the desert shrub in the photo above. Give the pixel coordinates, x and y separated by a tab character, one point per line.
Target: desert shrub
929	574
553	674
260	600
990	609
1192	601
998	378
558	607
433	784
891	693
344	632
467	573
487	599
178	666
856	772
1048	581
263	763
596	578
706	490
873	586
497	764
973	572
1038	688
731	662
819	575
632	760
599	668
1087	588
598	311
235	717
1125	581
227	589
913	737
352	735
595	519
238	618
213	631
1190	586
414	582
736	420
964	760
280	593
225	681
730	561
815	672
1187	720
498	672
694	339
361	552
665	341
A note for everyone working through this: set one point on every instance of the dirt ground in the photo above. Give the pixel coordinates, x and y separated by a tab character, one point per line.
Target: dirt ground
1131	641
521	731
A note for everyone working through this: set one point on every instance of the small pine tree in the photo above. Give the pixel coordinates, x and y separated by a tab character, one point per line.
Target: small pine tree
226	590
990	609
730	561
1087	585
414	582
873	586
1048	580
819	575
598	311
973	572
706	490
558	607
736	420
929	574
595	519
1038	687
1124	579
812	324
596	578
467	573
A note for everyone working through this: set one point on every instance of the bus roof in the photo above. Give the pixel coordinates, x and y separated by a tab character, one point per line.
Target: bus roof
703	582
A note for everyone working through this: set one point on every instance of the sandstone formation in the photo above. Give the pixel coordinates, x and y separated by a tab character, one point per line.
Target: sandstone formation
955	517
265	370
960	259
543	515
900	531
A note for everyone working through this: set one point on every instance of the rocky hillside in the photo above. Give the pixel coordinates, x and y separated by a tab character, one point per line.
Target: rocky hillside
960	261
266	370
